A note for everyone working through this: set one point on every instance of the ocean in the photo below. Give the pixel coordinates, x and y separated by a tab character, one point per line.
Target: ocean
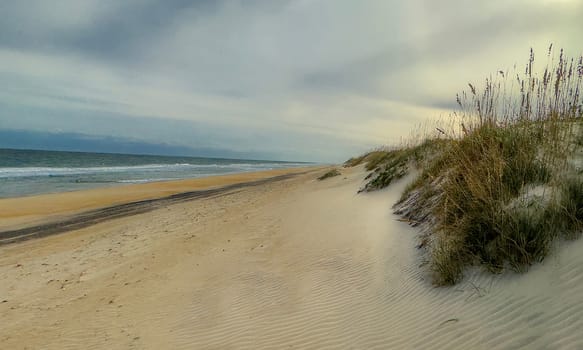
28	172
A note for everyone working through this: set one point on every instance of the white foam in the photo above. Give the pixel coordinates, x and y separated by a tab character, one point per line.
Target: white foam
64	171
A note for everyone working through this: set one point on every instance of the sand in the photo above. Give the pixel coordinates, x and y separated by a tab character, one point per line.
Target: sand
298	264
23	211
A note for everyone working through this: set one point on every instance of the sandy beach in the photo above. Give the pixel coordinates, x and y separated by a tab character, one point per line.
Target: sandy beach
23	211
290	264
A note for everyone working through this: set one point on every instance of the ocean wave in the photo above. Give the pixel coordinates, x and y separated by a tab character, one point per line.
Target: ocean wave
63	171
203	168
140	181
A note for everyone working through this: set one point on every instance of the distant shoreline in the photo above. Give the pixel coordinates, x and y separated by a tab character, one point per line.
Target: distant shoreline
151	155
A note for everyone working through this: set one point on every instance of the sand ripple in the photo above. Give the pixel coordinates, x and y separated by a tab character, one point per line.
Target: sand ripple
310	267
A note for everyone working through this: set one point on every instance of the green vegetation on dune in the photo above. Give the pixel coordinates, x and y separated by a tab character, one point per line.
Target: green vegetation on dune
329	174
504	180
393	165
388	166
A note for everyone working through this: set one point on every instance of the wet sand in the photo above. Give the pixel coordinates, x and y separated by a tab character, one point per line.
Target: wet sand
54	224
16	213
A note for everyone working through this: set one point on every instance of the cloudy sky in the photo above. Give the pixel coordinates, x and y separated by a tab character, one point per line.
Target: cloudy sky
315	80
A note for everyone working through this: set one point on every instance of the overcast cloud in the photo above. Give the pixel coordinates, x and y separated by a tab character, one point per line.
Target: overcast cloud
287	79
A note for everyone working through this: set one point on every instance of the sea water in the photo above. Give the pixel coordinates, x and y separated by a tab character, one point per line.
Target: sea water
28	172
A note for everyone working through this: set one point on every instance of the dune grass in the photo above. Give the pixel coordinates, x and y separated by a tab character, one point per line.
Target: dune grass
517	133
329	174
370	159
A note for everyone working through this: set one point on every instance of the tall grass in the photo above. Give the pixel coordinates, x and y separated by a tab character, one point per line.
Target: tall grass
516	132
513	133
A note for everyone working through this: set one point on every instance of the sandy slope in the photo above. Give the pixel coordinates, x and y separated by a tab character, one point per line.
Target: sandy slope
294	264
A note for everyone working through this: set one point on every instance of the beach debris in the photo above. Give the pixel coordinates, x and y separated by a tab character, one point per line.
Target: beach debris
451	320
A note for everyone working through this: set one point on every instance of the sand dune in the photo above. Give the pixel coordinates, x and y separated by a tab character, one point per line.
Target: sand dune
298	264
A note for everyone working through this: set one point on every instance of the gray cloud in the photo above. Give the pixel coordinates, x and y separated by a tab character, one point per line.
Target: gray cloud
317	79
91	27
462	31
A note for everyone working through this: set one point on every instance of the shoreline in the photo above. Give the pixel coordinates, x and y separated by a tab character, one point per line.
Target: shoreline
35	172
56	212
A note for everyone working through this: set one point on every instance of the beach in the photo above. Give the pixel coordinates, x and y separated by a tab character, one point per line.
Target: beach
292	263
28	210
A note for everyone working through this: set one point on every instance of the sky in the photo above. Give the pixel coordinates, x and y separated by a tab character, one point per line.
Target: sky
304	80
